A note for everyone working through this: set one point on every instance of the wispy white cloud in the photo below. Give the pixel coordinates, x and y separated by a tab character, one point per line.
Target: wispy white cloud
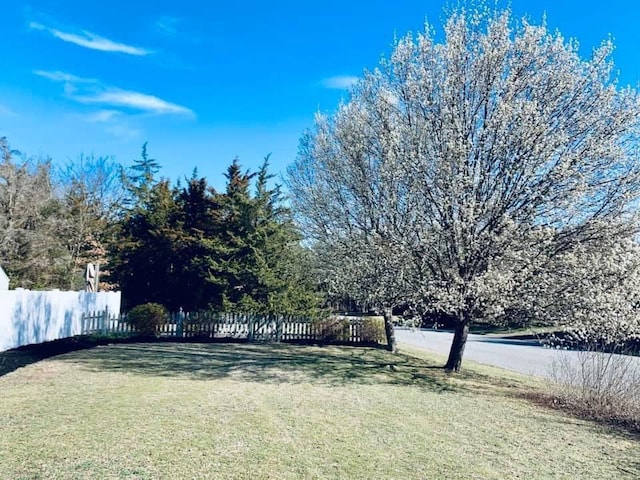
167	25
58	76
102	116
136	101
178	28
340	82
90	91
115	123
71	82
90	40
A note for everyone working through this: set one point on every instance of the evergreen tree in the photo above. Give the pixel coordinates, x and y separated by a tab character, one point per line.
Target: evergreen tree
195	248
143	260
199	247
141	178
265	250
235	220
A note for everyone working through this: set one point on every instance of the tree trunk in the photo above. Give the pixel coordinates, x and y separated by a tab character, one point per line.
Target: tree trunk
459	341
392	346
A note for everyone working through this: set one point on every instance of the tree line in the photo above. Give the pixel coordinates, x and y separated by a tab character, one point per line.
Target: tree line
54	220
184	246
191	247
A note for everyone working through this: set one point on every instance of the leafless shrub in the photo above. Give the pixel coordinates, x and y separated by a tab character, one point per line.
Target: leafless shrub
603	386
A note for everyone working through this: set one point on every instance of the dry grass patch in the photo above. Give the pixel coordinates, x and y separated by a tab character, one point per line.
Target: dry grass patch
152	411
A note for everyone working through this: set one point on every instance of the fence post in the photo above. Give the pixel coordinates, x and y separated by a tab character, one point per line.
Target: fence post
250	325
179	323
278	328
103	320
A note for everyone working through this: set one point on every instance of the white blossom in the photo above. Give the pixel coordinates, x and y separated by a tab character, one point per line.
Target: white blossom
474	167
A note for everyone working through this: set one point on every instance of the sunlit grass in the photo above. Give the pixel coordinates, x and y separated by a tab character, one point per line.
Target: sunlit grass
223	411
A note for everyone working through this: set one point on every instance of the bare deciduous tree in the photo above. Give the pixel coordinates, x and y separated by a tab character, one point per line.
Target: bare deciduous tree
29	251
92	196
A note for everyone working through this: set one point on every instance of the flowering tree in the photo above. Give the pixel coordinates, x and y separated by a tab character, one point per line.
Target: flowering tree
353	206
593	293
485	156
369	271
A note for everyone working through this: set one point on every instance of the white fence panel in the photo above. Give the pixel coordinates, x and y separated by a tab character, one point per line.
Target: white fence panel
28	317
4	280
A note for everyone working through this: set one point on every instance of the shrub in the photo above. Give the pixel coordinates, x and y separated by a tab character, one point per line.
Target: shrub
373	330
148	318
602	386
337	329
332	329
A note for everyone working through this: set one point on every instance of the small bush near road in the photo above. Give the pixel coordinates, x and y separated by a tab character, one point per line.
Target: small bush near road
603	386
148	318
373	330
337	329
333	329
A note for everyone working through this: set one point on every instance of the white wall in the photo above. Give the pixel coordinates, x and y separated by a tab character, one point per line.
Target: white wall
4	280
33	316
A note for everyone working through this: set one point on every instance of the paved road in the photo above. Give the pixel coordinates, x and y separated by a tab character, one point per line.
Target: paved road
522	356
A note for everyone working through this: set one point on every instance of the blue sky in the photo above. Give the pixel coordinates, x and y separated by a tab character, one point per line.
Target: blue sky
204	82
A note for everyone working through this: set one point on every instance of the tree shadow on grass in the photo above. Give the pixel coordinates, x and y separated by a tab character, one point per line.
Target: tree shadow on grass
271	363
268	362
13	359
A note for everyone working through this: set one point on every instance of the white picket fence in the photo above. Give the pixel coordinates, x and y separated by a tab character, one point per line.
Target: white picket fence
104	323
251	327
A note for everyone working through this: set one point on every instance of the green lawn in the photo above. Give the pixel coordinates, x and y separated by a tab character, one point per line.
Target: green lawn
505	331
182	411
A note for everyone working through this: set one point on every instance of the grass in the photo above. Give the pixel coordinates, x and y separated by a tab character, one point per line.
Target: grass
524	332
236	411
